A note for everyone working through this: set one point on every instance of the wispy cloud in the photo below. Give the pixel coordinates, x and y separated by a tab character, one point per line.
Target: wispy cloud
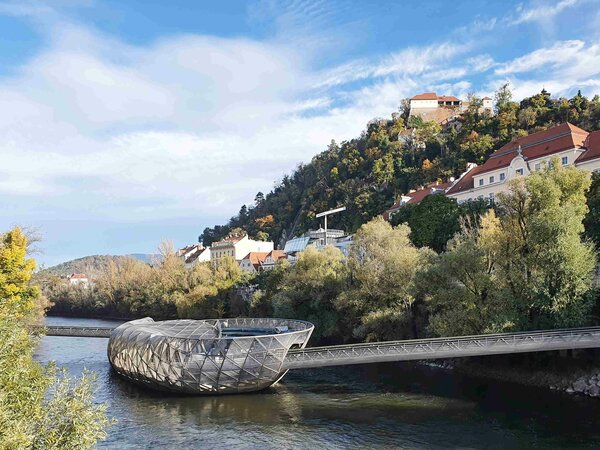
559	54
542	11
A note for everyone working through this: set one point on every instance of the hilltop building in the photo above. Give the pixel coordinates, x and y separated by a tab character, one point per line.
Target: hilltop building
442	108
78	279
237	247
570	144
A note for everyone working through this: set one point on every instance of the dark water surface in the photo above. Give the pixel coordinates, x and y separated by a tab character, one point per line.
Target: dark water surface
383	406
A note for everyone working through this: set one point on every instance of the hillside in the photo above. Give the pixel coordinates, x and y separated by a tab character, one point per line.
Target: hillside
391	156
91	265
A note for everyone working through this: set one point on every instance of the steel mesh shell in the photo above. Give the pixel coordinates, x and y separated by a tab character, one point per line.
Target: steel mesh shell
194	356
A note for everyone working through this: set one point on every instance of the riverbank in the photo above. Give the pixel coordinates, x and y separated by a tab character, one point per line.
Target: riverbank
570	372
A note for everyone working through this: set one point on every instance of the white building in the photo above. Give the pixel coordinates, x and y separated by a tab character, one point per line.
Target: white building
443	108
78	279
193	254
570	144
272	258
237	248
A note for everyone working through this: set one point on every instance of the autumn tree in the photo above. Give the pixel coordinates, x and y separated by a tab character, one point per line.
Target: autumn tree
40	408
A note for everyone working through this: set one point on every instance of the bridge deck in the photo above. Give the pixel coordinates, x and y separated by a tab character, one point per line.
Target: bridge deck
438	348
97	332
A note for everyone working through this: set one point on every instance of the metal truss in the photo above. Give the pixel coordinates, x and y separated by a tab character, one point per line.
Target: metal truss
438	348
97	332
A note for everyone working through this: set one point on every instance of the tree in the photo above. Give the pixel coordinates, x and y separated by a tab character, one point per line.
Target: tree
309	288
379	301
545	264
17	297
40	408
433	222
592	219
460	288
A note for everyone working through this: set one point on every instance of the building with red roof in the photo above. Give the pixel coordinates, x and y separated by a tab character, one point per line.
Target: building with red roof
416	196
521	156
441	108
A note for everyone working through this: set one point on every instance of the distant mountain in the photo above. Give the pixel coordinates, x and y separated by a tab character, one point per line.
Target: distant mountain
93	265
148	258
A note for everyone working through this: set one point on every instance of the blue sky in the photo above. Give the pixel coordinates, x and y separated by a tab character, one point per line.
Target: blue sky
127	122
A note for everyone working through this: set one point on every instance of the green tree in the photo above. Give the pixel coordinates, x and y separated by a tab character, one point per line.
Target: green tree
433	222
309	288
379	301
461	289
546	265
592	219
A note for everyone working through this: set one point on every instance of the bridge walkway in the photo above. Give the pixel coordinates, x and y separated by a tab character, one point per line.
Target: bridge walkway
439	348
416	349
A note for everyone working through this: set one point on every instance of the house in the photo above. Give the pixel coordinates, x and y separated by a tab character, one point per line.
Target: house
253	261
442	108
193	254
78	279
237	247
521	156
200	256
416	196
272	258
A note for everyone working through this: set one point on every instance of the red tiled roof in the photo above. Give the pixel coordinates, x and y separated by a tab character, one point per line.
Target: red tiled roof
276	254
417	196
78	275
536	145
256	258
448	98
425	96
592	145
486	98
465	182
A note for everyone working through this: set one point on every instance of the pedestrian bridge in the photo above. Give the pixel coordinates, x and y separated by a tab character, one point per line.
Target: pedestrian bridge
416	349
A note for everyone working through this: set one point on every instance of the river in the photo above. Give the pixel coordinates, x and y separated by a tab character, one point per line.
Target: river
383	406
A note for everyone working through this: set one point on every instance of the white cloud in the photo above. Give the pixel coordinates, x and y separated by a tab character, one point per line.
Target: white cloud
542	11
559	54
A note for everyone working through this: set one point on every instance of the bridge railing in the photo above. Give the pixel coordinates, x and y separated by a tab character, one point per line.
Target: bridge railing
99	332
451	347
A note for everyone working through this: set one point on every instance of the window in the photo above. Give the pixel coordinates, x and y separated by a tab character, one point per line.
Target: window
565	160
492	197
538	166
502	176
492	179
519	171
481	182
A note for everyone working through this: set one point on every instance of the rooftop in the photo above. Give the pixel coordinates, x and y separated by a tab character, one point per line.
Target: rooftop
536	145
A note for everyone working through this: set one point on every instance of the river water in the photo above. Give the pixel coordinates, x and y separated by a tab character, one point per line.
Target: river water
383	406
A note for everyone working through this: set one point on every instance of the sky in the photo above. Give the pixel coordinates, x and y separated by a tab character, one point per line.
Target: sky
124	123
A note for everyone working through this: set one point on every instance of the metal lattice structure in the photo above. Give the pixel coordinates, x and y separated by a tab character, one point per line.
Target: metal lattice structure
99	332
205	356
438	348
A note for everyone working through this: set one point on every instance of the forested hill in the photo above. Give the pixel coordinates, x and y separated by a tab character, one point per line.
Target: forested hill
391	156
91	265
